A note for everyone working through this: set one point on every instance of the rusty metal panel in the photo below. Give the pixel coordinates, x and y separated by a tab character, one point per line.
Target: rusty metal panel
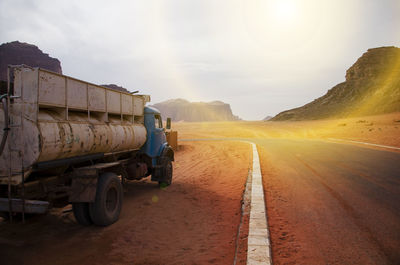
29	82
51	142
72	138
97	98
127	104
24	133
4	156
113	102
138	105
76	94
31	206
51	89
140	134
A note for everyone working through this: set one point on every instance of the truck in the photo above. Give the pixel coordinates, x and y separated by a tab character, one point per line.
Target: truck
67	141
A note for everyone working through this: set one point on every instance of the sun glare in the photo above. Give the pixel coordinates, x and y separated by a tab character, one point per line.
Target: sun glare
285	10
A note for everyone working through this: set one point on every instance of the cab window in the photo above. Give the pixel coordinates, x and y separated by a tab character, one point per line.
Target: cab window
158	121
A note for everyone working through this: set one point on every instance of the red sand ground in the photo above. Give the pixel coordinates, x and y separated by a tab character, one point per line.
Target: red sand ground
194	221
288	198
379	129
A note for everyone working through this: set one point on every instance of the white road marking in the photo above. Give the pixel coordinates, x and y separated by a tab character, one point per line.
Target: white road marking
258	244
357	142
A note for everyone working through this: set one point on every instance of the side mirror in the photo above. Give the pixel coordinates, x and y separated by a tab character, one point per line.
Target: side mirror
168	124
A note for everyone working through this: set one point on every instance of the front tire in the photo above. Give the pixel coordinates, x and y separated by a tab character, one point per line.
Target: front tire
108	202
166	172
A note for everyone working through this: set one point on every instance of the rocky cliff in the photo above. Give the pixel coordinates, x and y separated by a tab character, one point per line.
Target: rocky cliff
372	86
23	53
183	110
16	53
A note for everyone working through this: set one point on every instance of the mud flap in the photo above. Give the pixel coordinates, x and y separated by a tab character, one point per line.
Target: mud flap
84	186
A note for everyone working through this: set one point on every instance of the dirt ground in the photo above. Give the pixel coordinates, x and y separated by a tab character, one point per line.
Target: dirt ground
311	211
379	129
194	221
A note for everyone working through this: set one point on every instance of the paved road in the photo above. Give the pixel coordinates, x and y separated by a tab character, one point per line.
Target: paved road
331	203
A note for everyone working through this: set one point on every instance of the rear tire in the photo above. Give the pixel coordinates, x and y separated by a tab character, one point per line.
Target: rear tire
108	202
81	213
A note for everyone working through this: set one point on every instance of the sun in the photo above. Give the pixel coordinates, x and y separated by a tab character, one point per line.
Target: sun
285	10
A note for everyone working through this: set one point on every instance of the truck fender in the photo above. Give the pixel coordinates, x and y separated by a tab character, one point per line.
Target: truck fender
168	152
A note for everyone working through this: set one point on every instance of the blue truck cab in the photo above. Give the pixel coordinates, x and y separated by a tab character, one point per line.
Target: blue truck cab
156	146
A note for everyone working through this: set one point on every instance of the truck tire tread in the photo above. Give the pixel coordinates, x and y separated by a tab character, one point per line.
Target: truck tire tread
106	208
81	213
167	172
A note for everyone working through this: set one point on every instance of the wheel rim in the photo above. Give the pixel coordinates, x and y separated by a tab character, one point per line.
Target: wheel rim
111	199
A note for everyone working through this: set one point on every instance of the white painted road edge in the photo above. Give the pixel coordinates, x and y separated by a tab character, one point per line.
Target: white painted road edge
258	244
357	142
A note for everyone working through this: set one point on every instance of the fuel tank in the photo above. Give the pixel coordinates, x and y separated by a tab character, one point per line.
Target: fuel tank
53	116
80	136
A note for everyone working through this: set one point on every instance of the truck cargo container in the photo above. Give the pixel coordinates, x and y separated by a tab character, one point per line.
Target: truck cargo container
65	141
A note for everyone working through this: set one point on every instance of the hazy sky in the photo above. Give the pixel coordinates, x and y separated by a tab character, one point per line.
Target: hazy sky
261	56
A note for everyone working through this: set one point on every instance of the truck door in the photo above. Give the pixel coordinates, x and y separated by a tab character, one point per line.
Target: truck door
159	132
155	134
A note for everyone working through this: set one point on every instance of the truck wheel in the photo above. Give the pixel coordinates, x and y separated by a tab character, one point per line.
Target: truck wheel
81	213
167	170
106	208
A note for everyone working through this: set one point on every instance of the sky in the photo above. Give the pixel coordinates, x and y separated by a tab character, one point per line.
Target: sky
260	56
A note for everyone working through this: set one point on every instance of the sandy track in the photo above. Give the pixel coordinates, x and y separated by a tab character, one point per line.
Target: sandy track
194	221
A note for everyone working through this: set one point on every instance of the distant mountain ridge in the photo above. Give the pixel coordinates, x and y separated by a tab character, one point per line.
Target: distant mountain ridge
372	86
183	110
16	53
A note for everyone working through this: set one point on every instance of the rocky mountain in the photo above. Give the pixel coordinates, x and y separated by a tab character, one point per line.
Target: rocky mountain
23	53
372	86
16	53
183	110
267	118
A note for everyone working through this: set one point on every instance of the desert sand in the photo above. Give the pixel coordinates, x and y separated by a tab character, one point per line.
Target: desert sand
299	208
195	220
379	129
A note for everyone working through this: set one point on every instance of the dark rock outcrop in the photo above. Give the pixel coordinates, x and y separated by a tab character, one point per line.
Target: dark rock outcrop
16	53
372	86
183	110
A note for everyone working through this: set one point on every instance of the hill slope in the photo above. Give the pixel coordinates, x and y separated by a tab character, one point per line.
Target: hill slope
372	86
183	110
16	53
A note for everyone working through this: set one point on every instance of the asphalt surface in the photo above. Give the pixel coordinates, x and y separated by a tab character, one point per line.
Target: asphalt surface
331	203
